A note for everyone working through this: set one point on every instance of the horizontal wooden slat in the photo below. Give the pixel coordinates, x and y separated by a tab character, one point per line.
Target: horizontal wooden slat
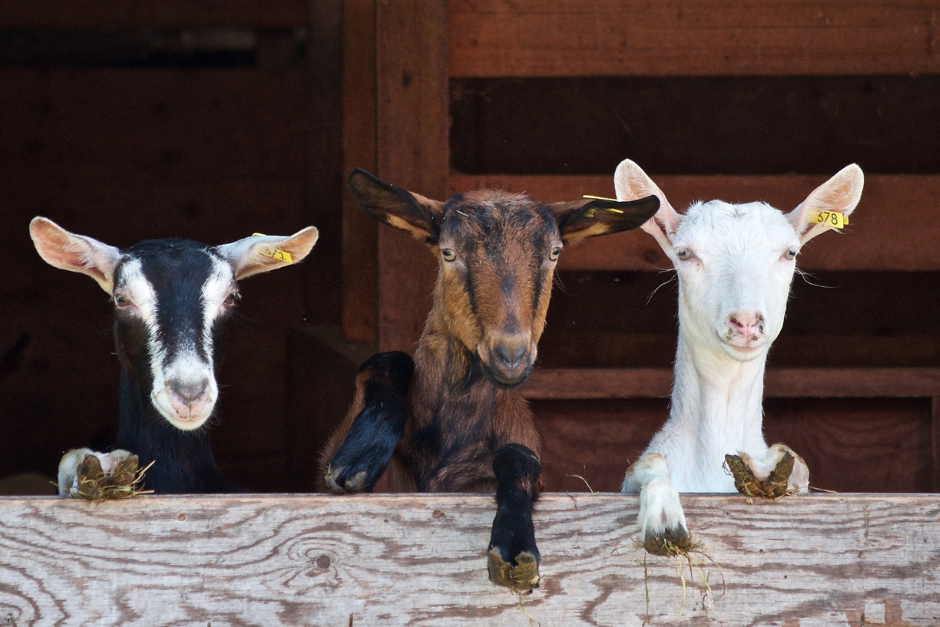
596	383
640	38
419	560
892	229
105	14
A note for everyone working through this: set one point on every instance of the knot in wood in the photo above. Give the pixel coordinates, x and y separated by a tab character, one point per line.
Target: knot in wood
324	561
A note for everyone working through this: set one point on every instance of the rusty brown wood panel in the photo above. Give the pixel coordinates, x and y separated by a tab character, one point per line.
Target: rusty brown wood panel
360	232
888	230
585	383
419	560
641	38
935	441
850	445
412	153
69	14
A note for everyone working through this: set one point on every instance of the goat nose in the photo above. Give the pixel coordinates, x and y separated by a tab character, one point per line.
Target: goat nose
511	353
189	392
747	322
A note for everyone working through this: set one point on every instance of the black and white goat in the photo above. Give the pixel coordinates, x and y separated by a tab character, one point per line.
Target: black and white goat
171	300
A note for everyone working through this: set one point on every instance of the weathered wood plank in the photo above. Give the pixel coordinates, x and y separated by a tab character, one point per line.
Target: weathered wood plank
412	153
585	383
69	14
640	38
419	560
886	233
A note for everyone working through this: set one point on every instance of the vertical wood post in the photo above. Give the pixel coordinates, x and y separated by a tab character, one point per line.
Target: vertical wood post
360	232
935	434
324	188
412	153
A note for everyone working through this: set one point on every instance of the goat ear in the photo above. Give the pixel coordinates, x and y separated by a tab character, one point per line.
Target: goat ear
841	193
410	212
261	253
76	253
632	182
580	219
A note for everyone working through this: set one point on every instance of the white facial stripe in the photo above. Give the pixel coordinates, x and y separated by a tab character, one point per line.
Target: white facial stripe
219	284
187	367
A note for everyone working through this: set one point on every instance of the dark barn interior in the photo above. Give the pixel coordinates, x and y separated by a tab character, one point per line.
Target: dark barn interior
217	121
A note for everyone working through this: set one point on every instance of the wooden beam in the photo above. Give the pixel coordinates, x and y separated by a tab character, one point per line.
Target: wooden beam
638	38
935	441
599	383
412	149
420	560
888	231
324	192
105	14
360	232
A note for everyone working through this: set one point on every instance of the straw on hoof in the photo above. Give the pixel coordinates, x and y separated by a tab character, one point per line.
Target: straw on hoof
776	485
123	482
521	577
672	543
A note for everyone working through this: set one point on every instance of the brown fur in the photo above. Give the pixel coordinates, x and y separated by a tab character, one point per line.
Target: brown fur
492	297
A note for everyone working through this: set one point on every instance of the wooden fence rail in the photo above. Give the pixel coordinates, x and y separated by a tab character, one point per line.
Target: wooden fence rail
419	560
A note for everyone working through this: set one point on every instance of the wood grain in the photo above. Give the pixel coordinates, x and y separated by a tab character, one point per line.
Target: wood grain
419	560
71	14
585	383
850	445
360	232
640	38
412	153
887	231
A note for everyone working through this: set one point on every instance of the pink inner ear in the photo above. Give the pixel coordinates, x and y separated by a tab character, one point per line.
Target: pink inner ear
75	253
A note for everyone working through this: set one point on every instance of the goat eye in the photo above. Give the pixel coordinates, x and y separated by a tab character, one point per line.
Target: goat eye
448	254
790	254
121	301
553	255
683	254
232	298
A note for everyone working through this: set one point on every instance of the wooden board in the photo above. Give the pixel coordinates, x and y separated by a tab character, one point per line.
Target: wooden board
584	383
412	153
888	231
850	445
419	560
360	232
69	14
618	38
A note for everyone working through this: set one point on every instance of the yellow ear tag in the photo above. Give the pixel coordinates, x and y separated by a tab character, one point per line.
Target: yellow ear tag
832	218
277	253
590	213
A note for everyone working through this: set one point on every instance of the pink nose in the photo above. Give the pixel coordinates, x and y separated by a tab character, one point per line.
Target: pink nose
749	324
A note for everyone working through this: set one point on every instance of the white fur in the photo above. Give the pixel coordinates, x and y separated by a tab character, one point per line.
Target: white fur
734	272
68	466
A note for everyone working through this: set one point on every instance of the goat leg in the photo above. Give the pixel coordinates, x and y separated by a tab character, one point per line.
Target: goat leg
513	559
382	385
661	518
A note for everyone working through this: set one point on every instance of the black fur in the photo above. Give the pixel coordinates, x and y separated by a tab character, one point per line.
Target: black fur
183	460
377	429
517	471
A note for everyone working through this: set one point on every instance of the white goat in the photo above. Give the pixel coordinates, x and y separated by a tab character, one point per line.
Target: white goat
735	263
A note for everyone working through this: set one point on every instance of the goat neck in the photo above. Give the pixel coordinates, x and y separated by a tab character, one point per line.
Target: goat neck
184	458
716	404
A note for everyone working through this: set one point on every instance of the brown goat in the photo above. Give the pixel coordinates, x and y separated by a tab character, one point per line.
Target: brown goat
451	420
